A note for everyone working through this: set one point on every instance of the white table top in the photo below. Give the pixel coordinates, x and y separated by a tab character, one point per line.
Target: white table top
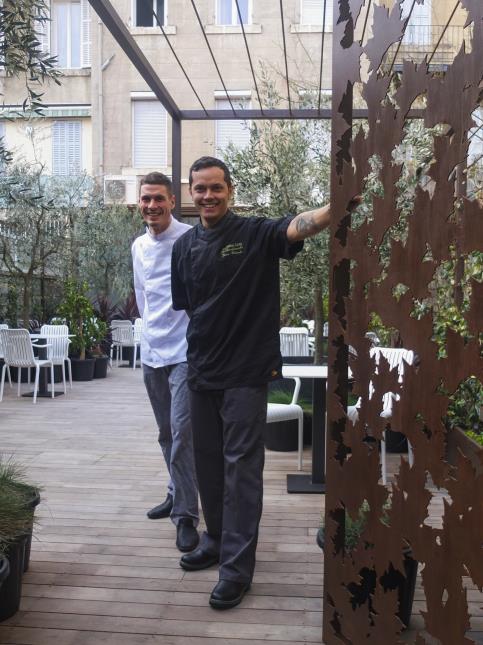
51	336
305	371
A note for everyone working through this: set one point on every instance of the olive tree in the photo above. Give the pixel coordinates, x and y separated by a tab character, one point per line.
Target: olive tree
21	52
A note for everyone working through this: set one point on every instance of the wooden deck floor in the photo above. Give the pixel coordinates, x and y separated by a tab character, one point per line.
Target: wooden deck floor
103	574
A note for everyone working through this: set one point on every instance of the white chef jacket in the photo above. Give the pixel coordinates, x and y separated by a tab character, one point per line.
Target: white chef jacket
163	340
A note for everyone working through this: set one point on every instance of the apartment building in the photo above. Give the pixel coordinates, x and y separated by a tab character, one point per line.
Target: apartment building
103	118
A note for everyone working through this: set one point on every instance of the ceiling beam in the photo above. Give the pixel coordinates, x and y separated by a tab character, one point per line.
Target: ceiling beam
271	114
121	35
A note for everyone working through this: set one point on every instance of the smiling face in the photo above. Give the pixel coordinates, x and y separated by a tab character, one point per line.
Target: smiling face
156	203
211	194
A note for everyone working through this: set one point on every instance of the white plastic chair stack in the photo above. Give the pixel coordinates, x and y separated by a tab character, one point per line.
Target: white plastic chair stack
294	341
58	351
19	353
5	326
396	357
123	336
288	412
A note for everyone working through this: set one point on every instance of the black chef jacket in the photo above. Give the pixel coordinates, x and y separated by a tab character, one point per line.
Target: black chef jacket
227	278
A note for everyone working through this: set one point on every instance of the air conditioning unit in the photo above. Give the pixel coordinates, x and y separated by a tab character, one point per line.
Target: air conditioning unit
120	189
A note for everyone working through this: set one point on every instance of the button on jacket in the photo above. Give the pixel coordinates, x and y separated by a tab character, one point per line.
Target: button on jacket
164	330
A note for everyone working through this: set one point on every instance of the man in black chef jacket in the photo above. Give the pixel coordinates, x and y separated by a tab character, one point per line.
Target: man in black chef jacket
225	274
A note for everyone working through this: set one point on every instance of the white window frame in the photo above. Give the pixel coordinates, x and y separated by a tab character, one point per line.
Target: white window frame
46	34
138	97
328	15
235	96
65	122
155	24
234	14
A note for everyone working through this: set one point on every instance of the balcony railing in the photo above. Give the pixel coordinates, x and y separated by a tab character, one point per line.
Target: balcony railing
419	42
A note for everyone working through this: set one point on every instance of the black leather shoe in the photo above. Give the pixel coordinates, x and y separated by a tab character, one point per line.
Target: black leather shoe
228	593
197	560
162	510
187	537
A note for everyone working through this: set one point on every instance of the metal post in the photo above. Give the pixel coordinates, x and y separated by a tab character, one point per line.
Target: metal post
176	164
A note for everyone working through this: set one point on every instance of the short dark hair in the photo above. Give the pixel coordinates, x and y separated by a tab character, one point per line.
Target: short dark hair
157	179
210	162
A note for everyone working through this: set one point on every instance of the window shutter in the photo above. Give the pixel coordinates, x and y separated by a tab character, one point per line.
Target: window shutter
313	12
66	148
43	31
85	34
235	132
149	134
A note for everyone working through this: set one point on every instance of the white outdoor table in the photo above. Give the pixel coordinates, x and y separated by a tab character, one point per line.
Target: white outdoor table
314	483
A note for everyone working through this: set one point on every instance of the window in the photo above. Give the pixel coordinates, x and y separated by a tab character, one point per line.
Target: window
227	13
144	13
66	148
231	131
418	29
67	34
312	12
149	134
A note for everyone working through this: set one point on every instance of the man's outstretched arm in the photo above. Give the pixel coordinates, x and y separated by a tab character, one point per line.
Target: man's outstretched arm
310	223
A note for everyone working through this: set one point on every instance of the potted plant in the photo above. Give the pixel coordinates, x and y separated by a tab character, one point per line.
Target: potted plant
17	506
362	591
77	311
97	329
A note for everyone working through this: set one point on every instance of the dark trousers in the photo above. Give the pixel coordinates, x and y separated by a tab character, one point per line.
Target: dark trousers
229	457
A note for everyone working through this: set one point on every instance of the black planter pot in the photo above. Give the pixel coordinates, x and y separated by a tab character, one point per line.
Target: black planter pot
83	370
128	353
57	374
281	436
396	441
11	589
14	375
4	570
100	367
32	504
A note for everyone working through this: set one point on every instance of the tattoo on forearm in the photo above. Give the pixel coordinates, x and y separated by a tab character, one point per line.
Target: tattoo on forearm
306	224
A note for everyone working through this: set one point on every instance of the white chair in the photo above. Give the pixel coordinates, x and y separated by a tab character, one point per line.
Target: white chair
5	326
58	351
138	329
123	336
294	341
288	412
19	353
397	358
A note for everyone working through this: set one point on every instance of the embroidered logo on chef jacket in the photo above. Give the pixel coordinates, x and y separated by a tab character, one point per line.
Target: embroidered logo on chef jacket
232	249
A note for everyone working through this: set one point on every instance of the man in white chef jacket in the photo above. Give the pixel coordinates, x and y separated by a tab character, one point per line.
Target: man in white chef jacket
163	354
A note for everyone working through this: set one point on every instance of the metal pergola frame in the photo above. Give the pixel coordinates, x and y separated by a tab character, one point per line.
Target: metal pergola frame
111	19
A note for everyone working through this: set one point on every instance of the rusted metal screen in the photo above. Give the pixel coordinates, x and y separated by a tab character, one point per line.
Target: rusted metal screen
419	222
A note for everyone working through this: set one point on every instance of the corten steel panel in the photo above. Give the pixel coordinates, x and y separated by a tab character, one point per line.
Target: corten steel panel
441	218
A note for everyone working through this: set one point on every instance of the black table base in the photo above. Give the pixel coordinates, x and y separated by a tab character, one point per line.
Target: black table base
303	484
44	395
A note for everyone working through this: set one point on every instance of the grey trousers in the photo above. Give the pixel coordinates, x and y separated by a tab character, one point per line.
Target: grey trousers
169	395
229	456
